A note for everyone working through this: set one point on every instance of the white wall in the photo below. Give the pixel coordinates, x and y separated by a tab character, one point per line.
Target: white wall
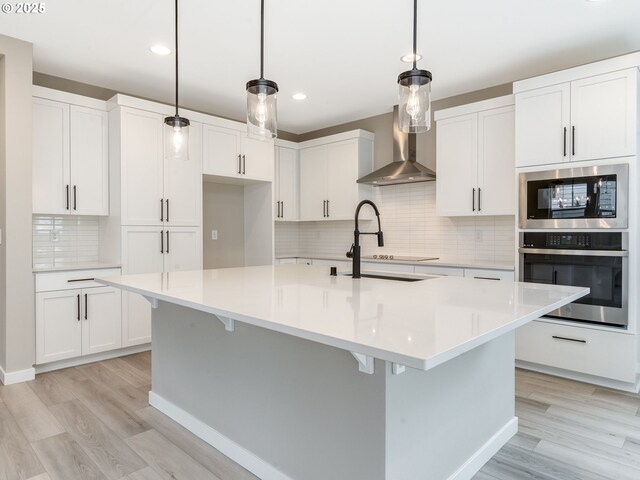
17	324
410	227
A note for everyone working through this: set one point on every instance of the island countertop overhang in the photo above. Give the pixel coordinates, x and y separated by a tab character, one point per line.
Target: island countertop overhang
419	324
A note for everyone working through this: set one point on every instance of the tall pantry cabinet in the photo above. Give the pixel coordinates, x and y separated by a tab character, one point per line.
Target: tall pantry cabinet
156	203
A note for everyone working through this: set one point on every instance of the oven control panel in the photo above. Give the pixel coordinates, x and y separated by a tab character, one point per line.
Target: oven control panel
573	240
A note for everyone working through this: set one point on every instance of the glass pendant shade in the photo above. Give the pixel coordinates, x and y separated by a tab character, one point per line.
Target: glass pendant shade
262	121
414	101
176	138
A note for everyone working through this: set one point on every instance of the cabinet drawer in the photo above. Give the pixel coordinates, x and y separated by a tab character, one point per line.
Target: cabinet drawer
440	271
50	281
594	352
489	274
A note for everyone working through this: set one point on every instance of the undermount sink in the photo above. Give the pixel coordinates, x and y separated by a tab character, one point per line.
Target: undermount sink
397	278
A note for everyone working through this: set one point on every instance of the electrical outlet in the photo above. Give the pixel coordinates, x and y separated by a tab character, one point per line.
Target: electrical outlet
54	235
214	234
478	235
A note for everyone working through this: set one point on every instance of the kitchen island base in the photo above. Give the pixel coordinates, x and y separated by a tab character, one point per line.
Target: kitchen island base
289	408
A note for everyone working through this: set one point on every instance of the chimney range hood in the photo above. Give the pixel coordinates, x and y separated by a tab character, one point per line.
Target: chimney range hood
404	168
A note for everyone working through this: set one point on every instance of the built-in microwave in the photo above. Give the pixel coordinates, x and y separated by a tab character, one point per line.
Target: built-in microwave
585	197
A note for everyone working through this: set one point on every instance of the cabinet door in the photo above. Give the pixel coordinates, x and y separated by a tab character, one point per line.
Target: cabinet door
101	320
457	166
183	183
313	183
257	158
603	113
542	126
287	184
50	156
220	151
496	162
89	161
183	249
142	167
342	174
58	325
142	252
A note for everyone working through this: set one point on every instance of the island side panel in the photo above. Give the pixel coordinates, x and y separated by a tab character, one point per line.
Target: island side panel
302	407
470	414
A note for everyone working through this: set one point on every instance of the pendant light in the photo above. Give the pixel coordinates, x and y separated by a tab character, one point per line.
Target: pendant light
261	97
415	92
177	128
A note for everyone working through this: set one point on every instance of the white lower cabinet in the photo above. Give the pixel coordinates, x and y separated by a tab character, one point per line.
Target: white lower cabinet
584	350
152	250
71	322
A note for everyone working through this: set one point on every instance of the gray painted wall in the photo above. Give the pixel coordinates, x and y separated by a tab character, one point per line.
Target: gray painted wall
382	126
223	210
17	324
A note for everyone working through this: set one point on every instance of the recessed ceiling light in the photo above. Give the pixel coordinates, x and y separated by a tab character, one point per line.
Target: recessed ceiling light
299	96
160	50
408	58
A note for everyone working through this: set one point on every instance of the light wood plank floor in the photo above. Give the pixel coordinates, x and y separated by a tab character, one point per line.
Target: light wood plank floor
93	422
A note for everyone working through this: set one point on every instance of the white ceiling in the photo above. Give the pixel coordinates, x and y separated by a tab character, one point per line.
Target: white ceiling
345	54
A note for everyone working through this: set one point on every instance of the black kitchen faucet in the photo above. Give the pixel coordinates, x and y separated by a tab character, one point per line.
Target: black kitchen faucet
354	253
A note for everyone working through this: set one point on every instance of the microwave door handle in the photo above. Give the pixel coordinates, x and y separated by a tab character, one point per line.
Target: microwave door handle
575	253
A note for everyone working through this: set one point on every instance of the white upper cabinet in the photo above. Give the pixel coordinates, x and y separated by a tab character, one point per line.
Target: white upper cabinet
476	159
156	190
142	168
70	159
588	118
329	170
286	184
232	153
543	125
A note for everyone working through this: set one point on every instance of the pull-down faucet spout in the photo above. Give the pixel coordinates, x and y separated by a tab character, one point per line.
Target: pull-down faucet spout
355	248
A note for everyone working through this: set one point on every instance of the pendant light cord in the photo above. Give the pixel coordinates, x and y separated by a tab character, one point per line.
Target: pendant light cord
261	39
176	31
415	30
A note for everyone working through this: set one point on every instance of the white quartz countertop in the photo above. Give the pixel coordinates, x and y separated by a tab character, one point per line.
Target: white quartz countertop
418	324
439	262
75	266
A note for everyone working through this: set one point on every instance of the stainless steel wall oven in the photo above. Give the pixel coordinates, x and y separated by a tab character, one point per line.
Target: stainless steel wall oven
598	260
587	197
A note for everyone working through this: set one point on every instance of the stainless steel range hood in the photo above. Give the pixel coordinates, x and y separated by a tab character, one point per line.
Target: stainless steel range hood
404	168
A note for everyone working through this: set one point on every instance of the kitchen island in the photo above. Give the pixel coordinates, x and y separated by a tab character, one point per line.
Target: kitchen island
296	374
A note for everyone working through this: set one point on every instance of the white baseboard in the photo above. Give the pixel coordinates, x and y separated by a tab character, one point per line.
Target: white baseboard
228	447
488	450
582	377
96	357
17	377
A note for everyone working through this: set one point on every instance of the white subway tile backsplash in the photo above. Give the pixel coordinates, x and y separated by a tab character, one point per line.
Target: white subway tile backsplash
65	240
410	227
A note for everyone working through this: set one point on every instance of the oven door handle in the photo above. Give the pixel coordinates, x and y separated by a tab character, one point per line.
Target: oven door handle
577	253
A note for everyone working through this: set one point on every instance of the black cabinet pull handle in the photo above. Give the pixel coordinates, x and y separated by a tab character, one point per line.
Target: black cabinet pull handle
167	202
86	307
67	197
328	212
324	208
244	164
473	200
78	306
282	209
162	241
568	339
564	143
162	209
80	280
239	163
487	278
479	199
167	241
573	141
555	277
75	203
